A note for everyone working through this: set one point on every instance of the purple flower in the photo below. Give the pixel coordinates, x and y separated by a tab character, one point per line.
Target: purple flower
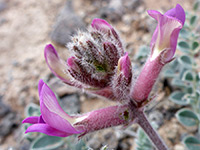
53	120
93	64
165	37
163	47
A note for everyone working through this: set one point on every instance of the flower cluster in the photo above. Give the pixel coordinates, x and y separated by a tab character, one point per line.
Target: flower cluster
98	62
100	66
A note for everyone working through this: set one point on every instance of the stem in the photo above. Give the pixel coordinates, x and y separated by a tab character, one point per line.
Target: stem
153	135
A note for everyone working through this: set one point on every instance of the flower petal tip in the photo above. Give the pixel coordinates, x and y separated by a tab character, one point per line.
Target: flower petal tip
31	120
100	24
70	62
40	85
49	49
181	13
177	12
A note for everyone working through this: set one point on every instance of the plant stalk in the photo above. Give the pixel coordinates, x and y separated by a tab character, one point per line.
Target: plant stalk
140	118
153	135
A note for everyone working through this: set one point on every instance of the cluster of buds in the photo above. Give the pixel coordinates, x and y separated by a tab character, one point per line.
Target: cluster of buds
100	66
98	63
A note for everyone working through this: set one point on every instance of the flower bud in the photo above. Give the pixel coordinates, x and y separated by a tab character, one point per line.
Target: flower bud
124	66
122	79
163	47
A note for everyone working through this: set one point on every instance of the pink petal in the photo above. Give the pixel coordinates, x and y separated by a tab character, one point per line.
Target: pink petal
32	120
41	119
165	35
177	12
46	129
40	85
53	114
105	27
57	66
100	24
72	64
124	65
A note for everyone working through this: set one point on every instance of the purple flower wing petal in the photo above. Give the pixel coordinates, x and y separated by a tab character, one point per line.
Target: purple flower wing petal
32	120
40	85
57	66
46	129
177	12
41	120
53	114
101	25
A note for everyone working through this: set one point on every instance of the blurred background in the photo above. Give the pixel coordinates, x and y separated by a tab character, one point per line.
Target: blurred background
27	26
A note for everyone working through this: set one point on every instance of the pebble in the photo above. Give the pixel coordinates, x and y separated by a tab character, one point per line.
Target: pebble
8	124
3	6
113	11
157	117
179	147
103	137
66	25
71	104
125	144
25	145
4	109
132	4
60	88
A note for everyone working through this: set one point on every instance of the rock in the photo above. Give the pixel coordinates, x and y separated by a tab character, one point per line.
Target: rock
132	4
71	104
113	11
94	143
179	147
103	137
25	145
66	25
157	117
127	19
117	8
61	88
4	109
8	124
125	144
3	6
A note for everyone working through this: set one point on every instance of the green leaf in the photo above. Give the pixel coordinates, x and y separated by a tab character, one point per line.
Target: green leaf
142	53
196	5
32	110
178	98
185	61
189	89
195	45
187	117
193	20
184	46
169	73
142	141
178	83
47	143
80	146
184	33
188	76
192	143
105	147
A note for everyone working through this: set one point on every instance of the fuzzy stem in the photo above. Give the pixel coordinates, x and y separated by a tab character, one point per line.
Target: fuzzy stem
146	80
153	135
